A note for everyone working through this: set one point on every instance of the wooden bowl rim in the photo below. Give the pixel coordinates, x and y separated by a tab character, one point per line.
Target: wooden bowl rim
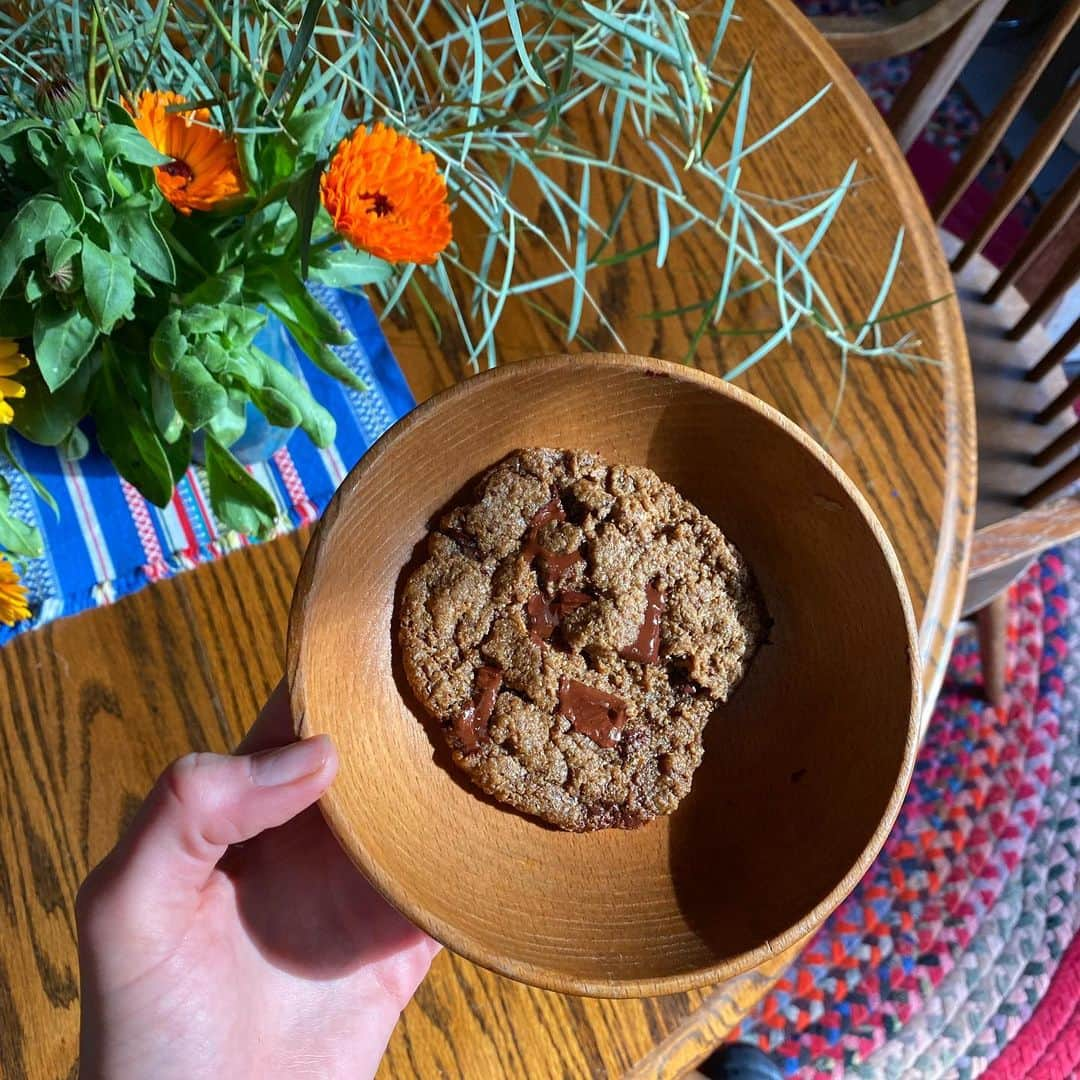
463	943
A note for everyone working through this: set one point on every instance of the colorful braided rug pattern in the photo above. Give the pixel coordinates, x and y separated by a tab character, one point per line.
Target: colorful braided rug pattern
958	951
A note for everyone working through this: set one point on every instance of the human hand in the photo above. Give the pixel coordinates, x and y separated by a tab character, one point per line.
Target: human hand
273	957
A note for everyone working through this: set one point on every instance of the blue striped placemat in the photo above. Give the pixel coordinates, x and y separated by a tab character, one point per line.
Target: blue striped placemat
108	541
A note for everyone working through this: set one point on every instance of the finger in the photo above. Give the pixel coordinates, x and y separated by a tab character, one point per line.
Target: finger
201	805
274	726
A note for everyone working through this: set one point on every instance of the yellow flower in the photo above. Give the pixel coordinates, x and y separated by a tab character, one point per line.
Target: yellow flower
386	196
11	360
12	595
204	172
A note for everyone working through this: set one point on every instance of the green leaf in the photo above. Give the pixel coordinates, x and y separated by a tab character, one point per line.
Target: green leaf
236	497
16	537
41	216
109	285
307	127
76	446
129	144
203	319
220	289
244	322
284	294
39	489
42	148
71	196
134	233
314	419
86	152
198	397
128	438
16	127
349	269
324	357
277	161
296	53
305	200
246	146
62	338
34	289
60	250
117	114
230	423
162	407
168	344
179	454
238	365
276	407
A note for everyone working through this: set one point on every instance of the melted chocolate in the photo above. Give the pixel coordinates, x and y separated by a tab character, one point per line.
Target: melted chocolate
471	727
551	511
543	616
570	600
646	647
553	566
598	715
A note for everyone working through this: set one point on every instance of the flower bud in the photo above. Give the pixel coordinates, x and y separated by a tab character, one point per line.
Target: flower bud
59	98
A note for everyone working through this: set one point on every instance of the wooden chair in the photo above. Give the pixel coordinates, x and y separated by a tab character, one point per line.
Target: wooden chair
1027	429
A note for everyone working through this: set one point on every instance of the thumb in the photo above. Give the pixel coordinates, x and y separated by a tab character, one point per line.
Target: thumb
203	803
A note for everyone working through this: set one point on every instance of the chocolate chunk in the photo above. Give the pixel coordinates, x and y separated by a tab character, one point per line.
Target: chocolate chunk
553	566
488	682
598	715
468	730
646	647
471	726
570	600
551	511
541	616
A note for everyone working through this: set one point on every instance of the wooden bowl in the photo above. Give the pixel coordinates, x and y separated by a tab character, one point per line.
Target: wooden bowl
804	768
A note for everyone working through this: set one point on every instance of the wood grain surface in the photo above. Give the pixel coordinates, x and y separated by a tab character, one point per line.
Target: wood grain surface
684	902
94	707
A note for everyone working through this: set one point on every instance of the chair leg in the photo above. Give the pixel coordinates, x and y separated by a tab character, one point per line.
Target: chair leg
990	623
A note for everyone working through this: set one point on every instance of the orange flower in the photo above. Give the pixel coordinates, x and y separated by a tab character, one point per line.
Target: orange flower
204	172
386	196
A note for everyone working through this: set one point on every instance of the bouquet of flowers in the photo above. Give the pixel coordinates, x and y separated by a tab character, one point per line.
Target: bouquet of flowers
172	173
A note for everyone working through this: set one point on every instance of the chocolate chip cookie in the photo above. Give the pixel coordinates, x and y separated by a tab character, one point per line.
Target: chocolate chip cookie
573	628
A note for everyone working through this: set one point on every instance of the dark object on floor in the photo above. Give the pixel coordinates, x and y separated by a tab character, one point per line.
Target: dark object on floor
741	1061
1020	17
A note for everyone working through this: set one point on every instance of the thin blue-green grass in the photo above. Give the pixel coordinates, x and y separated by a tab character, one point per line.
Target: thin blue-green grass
488	94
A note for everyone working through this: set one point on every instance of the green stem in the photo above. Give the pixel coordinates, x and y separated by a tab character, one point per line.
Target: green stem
91	66
235	49
114	56
185	255
151	52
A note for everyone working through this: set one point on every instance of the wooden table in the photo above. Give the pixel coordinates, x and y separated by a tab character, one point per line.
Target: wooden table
94	707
